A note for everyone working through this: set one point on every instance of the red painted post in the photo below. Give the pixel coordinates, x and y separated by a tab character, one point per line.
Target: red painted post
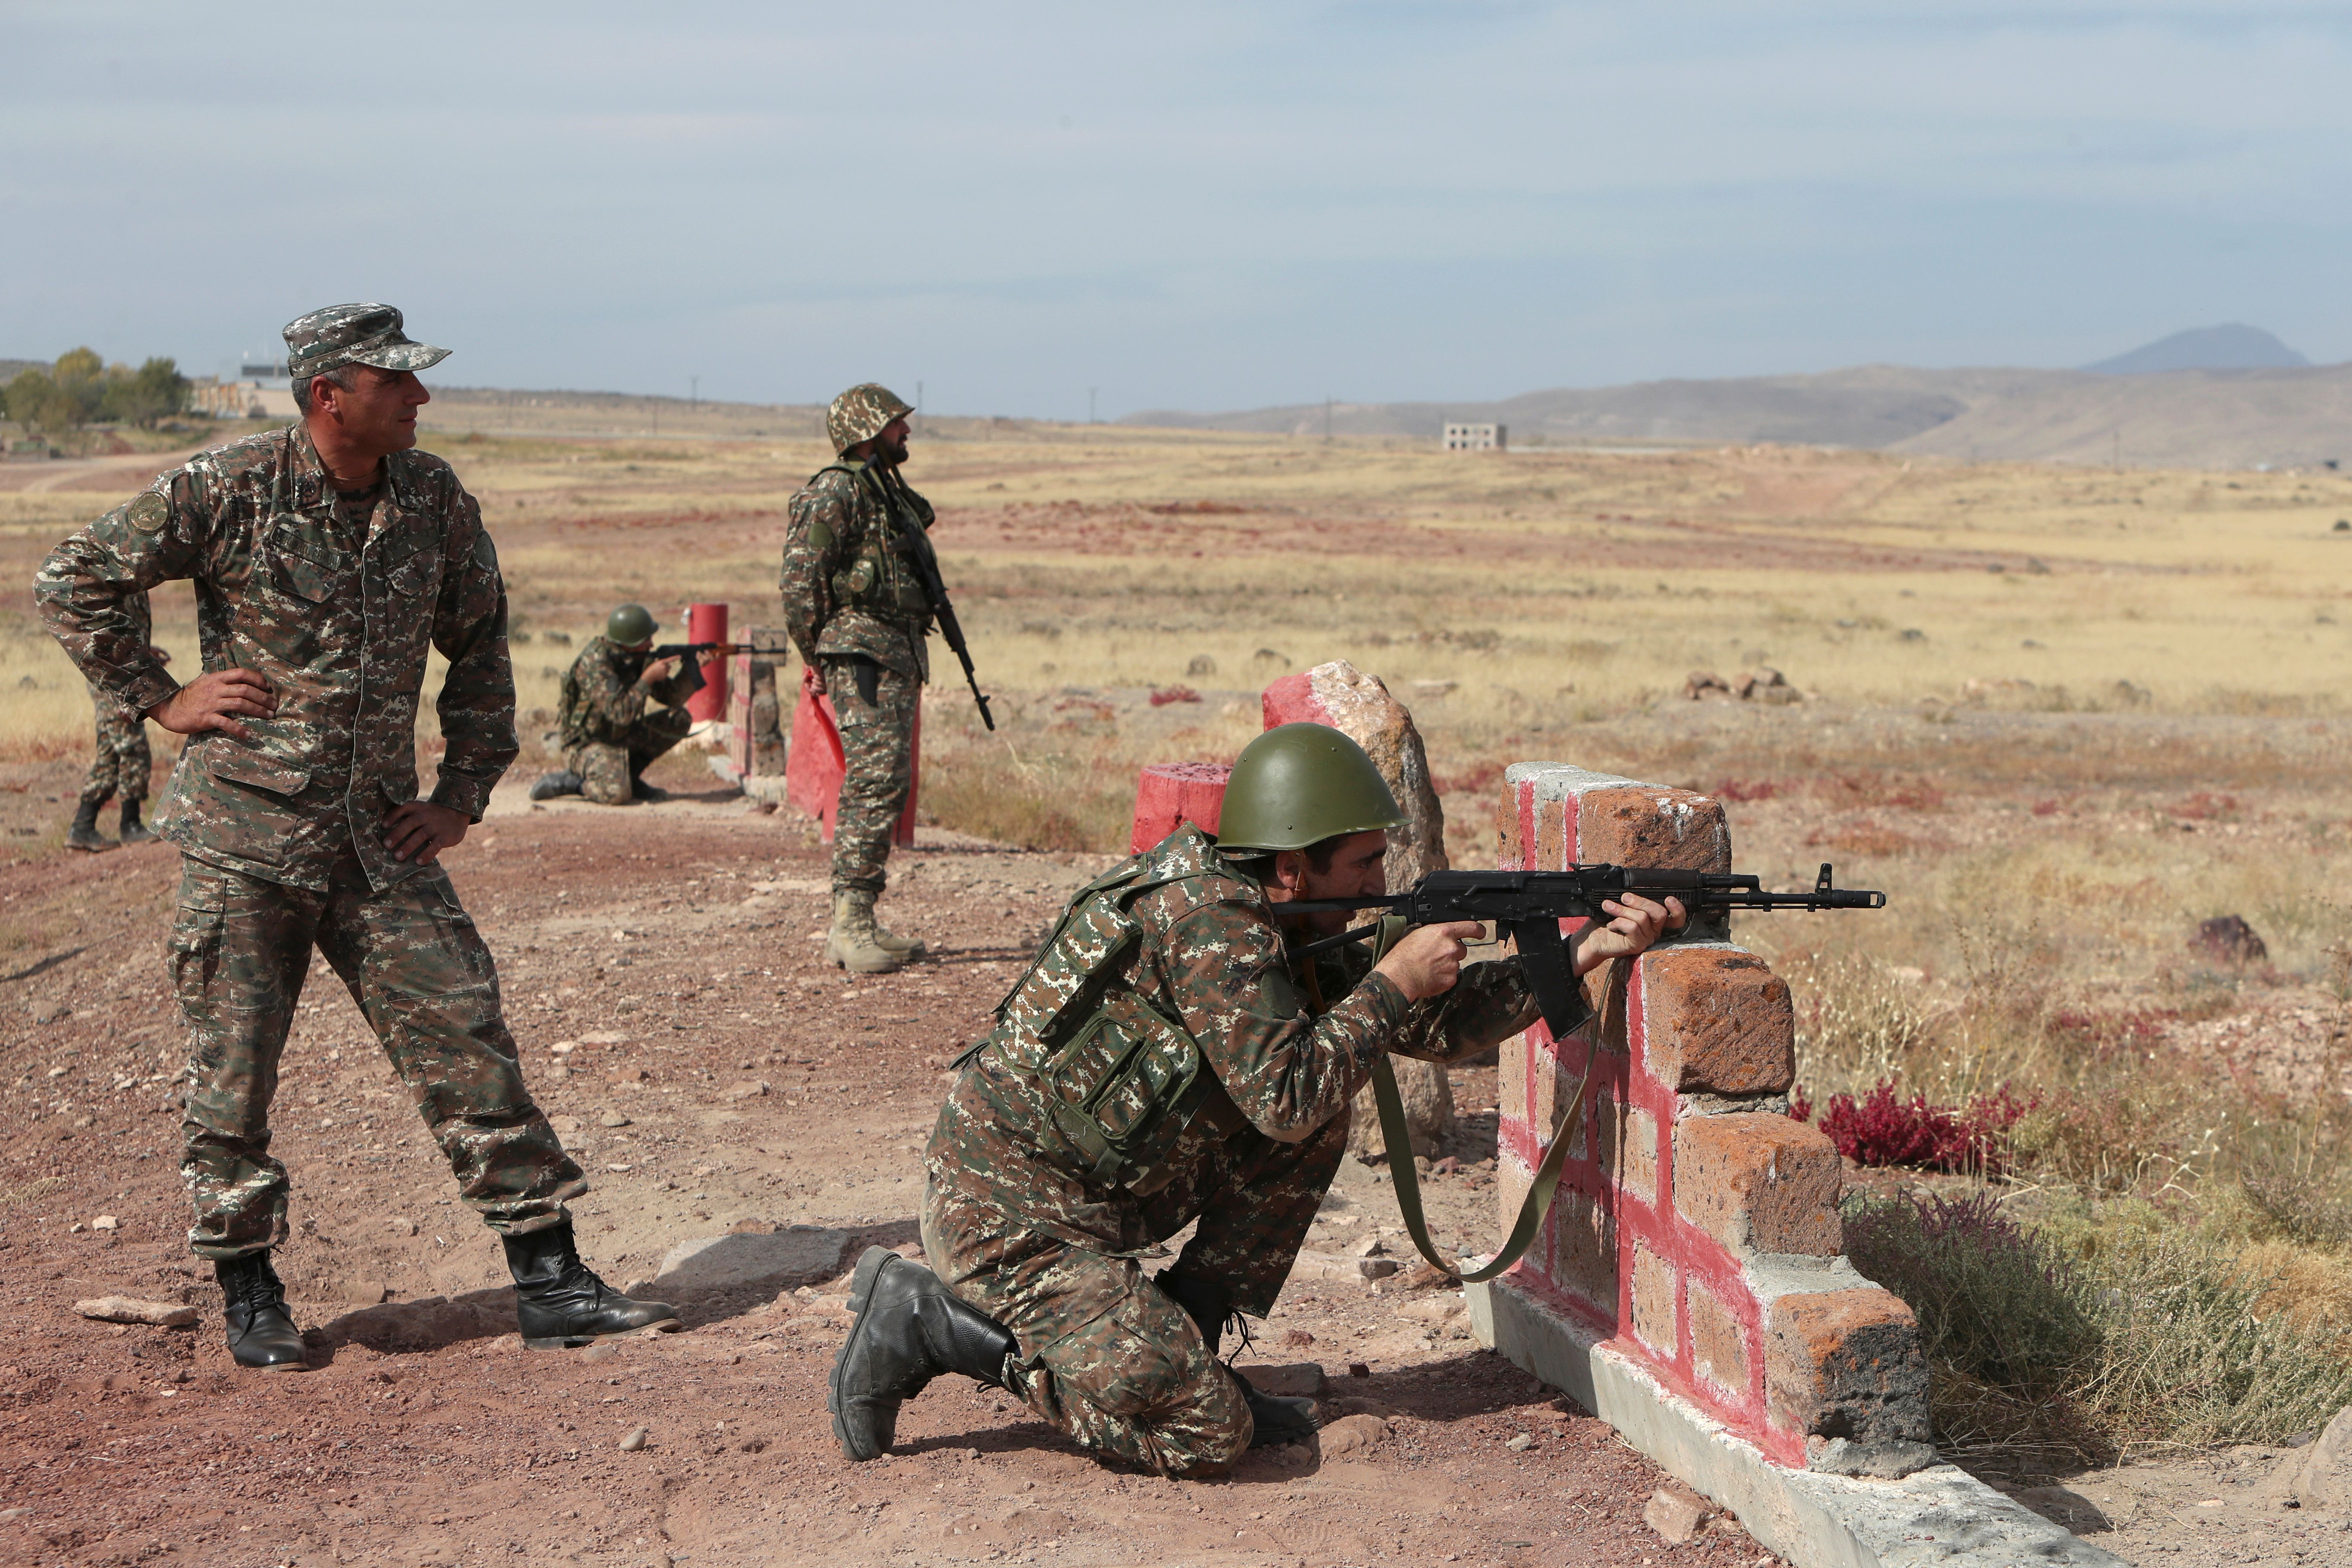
708	623
813	765
1171	794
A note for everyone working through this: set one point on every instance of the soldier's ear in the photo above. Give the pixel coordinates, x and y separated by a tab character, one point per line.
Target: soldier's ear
1289	869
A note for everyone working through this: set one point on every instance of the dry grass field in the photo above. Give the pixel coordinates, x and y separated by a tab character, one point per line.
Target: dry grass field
2061	715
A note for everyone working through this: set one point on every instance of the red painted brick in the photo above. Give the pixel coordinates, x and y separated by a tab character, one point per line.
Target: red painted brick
1654	1301
1718	1021
1759	1183
1719	1342
1585	1248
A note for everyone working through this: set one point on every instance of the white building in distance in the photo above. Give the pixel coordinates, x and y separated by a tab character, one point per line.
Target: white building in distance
1475	437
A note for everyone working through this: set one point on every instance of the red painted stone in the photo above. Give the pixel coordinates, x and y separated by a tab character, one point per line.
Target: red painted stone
1171	794
1292	700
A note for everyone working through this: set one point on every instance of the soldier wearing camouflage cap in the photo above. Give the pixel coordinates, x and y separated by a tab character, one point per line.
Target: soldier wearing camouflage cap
859	617
329	558
1167	1059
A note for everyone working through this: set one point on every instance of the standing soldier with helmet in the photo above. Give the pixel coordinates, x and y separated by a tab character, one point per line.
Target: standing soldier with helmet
1165	1059
329	558
855	606
608	738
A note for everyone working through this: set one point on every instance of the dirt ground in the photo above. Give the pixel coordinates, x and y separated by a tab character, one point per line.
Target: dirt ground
717	1079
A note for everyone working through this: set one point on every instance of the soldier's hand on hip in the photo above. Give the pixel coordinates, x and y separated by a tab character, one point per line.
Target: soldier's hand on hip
422	830
216	701
1428	959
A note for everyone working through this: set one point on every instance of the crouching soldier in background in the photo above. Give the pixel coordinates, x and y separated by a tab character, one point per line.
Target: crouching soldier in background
1165	1059
119	763
608	737
329	558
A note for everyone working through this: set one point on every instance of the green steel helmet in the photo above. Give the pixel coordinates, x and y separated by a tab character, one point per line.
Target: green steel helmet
1299	785
863	413
629	625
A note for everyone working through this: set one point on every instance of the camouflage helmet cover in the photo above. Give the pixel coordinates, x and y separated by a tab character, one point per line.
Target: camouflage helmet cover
629	624
1296	785
863	413
353	334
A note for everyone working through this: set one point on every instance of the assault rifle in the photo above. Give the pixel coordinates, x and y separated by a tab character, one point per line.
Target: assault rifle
1528	907
919	553
684	649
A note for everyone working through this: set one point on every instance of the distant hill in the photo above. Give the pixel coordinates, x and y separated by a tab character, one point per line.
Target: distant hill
2184	418
2233	347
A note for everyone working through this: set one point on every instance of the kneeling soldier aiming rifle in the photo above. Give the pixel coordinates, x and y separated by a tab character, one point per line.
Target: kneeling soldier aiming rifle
609	739
1167	1058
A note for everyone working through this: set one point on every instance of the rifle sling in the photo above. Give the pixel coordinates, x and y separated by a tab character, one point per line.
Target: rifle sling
1407	1181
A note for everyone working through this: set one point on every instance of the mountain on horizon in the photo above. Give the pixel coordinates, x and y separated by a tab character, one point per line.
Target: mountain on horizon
2234	346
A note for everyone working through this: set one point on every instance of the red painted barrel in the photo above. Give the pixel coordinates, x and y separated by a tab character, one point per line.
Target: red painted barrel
1171	794
708	623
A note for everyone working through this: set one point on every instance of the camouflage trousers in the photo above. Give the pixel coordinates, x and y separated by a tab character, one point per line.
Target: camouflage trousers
1105	1355
119	764
419	971
608	770
877	762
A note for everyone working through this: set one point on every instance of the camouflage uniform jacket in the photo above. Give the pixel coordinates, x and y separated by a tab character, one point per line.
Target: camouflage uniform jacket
1198	949
338	626
846	586
602	698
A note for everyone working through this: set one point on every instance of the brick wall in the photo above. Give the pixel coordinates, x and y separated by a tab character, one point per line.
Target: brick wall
1697	1224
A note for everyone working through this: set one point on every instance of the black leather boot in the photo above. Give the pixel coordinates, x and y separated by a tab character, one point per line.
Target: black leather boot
1275	1419
561	1301
262	1331
908	1331
133	831
563	781
84	834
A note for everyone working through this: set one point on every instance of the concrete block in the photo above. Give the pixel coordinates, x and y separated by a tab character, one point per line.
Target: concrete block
1583	1257
1941	1517
797	1255
1655	1316
1716	1019
1760	1182
1846	1368
1649	825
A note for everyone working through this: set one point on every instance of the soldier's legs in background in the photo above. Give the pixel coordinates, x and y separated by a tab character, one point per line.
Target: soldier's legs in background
877	770
420	973
655	733
237	954
105	762
1254	1214
604	773
1105	1355
134	763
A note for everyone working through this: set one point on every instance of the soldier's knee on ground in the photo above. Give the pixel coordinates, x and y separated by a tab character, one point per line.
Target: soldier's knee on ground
604	773
1139	1383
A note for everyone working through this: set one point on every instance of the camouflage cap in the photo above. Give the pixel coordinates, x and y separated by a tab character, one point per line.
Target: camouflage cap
353	334
863	413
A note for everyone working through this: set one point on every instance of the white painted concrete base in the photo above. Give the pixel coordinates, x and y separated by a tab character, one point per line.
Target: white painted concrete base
1941	1516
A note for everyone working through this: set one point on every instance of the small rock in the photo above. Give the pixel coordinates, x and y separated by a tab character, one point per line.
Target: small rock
1350	1433
564	1123
747	1090
129	1310
106	1222
600	1353
612	1118
1520	1444
1377	1268
49	1012
11	1513
1291	1380
365	1292
626	1074
1358	1369
2319	1474
1675	1512
1372	1247
635	1441
401	1227
2230	939
1295	1339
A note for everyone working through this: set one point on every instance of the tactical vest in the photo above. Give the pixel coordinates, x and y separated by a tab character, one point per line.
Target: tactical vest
876	578
1123	1080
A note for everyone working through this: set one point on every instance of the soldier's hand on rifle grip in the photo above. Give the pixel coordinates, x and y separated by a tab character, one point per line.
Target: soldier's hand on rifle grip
661	669
1428	959
208	703
1635	924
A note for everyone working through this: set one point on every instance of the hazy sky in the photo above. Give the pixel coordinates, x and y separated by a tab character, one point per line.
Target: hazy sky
1205	205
